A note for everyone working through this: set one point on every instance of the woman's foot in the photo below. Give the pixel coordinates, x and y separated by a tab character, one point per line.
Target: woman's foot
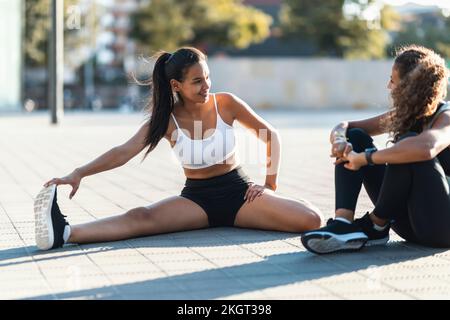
341	235
50	223
337	235
376	234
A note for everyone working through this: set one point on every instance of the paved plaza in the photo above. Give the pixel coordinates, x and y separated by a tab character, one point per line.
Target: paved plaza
219	263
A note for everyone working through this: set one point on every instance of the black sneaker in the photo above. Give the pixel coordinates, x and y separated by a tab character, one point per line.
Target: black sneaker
376	237
49	221
336	236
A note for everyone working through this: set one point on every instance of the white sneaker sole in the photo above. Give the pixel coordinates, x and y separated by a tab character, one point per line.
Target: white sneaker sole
326	242
378	242
43	218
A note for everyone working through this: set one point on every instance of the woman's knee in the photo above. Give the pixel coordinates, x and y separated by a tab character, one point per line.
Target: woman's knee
315	220
140	216
359	139
314	217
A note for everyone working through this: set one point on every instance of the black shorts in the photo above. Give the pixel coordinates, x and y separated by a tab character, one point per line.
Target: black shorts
220	197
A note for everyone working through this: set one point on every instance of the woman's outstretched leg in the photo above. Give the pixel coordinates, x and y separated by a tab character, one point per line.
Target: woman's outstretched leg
165	216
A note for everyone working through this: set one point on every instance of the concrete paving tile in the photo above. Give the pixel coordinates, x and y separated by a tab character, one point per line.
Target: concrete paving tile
301	291
125	278
185	265
160	286
188	255
130	268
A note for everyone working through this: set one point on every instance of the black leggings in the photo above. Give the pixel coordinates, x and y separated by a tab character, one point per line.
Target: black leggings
414	197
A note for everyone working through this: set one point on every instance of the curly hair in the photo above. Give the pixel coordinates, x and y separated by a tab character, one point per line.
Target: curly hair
423	84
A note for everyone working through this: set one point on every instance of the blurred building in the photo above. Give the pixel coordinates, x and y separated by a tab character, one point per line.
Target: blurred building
424	14
10	54
115	52
115	43
413	9
106	57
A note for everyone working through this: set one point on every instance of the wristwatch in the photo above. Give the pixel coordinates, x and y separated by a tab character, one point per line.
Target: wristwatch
369	152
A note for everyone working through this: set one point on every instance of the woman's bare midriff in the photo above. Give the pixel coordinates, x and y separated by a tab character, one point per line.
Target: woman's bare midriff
213	171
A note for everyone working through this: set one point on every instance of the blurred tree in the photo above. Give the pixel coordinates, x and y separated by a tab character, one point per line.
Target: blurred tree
432	31
37	24
168	24
342	28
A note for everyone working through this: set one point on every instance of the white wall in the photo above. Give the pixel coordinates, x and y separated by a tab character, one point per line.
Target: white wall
10	56
303	83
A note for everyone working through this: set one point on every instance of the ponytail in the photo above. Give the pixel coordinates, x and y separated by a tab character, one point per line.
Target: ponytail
161	104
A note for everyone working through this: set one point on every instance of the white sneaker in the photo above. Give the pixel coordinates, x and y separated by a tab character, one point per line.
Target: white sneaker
49	221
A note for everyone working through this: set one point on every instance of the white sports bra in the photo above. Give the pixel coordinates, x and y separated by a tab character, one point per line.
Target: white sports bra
204	153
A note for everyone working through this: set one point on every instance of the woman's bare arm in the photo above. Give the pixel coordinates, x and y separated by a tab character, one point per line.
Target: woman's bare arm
373	126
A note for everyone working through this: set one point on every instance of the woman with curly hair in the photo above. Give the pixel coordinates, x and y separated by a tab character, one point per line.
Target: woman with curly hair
408	182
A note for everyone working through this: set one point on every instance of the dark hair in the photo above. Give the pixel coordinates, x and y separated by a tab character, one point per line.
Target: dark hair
422	86
168	66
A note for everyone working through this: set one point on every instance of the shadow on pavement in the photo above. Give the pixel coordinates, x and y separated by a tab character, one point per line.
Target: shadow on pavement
274	270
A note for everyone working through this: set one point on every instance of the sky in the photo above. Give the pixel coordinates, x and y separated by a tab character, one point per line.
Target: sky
440	3
373	12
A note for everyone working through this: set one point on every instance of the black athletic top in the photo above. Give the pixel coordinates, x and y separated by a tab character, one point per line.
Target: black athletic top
427	123
444	156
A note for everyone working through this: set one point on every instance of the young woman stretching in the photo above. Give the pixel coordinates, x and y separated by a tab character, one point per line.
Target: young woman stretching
198	126
406	182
